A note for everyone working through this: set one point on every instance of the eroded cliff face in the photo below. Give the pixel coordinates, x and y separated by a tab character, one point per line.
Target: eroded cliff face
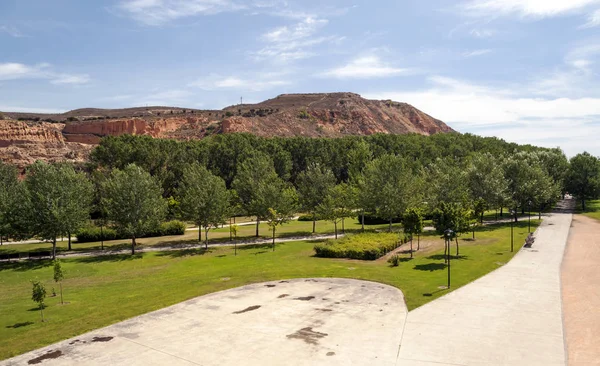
23	143
74	133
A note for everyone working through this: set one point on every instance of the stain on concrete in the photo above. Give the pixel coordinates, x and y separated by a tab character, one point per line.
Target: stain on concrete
325	310
282	296
102	339
308	335
330	353
250	308
48	356
129	335
310	280
74	342
270	286
305	298
284	281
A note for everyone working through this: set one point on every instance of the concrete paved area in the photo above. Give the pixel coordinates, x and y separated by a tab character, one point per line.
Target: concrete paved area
295	322
512	316
581	296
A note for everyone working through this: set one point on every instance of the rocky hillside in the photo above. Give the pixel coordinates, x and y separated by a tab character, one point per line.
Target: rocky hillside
25	137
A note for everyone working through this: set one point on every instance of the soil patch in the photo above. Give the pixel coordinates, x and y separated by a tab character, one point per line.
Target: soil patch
102	339
305	298
48	356
250	308
308	335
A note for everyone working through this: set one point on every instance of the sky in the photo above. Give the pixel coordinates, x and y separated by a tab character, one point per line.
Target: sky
526	71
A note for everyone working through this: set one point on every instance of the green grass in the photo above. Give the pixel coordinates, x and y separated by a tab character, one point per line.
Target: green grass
592	209
104	290
367	246
245	232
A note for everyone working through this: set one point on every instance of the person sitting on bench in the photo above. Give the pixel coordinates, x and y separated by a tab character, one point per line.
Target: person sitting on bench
529	241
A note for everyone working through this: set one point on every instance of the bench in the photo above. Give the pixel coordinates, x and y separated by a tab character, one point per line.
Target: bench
529	240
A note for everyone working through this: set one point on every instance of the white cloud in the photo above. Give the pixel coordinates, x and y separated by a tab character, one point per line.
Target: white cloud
12	31
526	8
485	110
476	53
366	67
12	108
294	42
158	12
256	83
63	79
593	20
14	71
168	98
482	32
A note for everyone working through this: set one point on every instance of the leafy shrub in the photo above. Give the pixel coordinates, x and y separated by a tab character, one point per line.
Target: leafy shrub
306	218
303	114
93	233
394	260
229	114
371	219
365	246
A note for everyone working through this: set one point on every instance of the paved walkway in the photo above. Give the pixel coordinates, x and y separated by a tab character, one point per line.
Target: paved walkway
512	316
581	296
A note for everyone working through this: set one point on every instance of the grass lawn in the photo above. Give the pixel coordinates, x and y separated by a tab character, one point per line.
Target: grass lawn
104	290
293	228
592	209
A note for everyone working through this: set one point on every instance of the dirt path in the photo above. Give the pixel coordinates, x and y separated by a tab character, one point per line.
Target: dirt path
580	294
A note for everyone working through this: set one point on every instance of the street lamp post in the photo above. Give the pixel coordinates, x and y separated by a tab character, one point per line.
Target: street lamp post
529	207
448	237
512	238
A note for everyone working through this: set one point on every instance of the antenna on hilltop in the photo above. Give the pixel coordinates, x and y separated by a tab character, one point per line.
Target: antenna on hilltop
241	100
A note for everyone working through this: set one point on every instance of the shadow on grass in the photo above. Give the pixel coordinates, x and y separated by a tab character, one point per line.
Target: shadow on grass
430	294
25	265
441	257
109	258
20	325
430	267
185	253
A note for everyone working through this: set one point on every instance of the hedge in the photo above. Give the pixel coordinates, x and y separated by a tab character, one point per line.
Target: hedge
366	246
93	233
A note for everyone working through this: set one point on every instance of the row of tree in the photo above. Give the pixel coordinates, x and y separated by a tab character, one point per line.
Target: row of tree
56	200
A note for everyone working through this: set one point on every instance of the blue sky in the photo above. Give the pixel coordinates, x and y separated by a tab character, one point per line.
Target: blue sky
523	70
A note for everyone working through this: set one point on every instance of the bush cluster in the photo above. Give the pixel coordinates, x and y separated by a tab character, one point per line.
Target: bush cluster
366	246
93	233
307	218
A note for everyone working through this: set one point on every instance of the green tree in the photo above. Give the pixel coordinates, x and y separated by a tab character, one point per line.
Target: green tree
60	200
487	185
313	183
413	224
8	194
253	175
38	295
284	205
233	230
453	216
389	187
59	276
133	201
204	199
337	205
583	177
446	182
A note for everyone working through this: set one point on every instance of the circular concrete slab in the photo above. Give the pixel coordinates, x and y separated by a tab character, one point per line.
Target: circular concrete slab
297	322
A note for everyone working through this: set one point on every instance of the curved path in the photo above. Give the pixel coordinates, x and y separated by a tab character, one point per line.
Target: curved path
512	316
296	322
581	296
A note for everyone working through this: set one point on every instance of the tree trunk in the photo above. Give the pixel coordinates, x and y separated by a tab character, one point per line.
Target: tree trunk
61	297
42	311
343	228
273	238
473	233
1	243
456	239
390	228
206	237
335	228
133	245
54	248
314	224
101	237
523	210
230	233
418	242
583	204
411	250
363	220
257	223
540	213
501	211
481	221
